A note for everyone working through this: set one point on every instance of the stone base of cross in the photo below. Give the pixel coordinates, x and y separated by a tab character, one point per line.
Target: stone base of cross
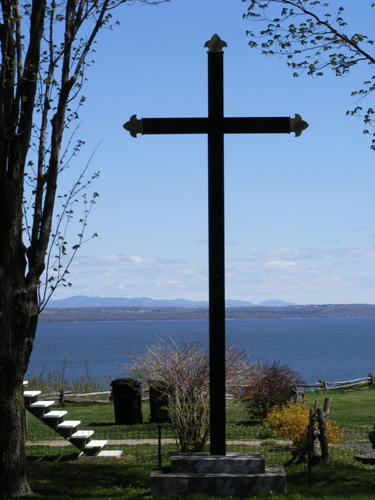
216	126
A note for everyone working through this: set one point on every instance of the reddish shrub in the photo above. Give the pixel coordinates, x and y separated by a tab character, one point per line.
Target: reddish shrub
269	386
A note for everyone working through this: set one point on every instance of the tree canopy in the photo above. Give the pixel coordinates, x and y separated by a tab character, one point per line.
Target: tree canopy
314	36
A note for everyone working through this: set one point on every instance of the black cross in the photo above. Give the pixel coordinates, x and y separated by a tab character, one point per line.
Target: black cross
215	126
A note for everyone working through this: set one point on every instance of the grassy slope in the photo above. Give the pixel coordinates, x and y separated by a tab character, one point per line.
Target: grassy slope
59	476
100	418
354	406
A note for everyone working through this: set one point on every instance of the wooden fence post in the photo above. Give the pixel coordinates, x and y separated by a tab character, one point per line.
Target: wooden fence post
322	424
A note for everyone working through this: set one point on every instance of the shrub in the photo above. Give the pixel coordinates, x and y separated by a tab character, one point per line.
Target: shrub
269	386
290	421
181	373
266	434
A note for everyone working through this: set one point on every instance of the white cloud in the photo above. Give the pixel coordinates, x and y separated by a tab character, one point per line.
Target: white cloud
285	273
362	253
286	253
141	261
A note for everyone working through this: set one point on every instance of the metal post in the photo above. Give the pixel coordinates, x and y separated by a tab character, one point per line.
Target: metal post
159	445
216	252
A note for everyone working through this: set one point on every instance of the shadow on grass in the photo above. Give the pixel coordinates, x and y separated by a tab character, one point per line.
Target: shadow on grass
105	424
63	480
71	479
58	457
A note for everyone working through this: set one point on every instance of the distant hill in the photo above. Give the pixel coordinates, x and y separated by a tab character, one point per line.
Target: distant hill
275	303
127	313
84	301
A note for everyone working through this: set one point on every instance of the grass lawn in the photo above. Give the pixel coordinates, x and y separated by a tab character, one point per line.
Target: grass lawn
55	474
351	406
65	480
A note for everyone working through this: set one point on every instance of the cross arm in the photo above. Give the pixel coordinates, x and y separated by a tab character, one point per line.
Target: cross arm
269	125
151	126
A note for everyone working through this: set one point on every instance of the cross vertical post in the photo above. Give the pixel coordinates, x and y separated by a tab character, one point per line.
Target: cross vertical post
215	126
216	252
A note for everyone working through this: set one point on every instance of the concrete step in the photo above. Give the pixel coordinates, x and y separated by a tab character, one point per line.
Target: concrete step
30	394
164	482
102	455
80	439
94	447
40	408
30	397
231	463
54	418
234	474
67	428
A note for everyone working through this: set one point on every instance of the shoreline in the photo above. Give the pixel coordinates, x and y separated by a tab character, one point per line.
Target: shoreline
137	314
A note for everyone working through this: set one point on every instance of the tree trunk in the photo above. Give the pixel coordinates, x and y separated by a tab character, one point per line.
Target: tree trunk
17	336
13	481
18	322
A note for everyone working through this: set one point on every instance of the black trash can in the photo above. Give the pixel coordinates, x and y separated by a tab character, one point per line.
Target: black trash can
127	398
159	403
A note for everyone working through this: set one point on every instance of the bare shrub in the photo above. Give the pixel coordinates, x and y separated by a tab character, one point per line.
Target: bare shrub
268	386
180	371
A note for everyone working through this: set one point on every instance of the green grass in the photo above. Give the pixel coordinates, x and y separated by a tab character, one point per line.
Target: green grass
55	474
355	405
65	480
100	418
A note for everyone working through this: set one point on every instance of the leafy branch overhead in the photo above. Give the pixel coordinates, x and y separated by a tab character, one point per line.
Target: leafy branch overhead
314	36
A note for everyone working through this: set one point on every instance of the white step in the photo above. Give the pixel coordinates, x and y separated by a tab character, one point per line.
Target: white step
54	418
40	408
69	424
55	414
30	397
42	404
80	439
96	443
65	429
102	455
82	434
31	394
114	454
93	447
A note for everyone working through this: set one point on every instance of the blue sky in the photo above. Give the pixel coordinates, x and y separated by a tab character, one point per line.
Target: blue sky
300	212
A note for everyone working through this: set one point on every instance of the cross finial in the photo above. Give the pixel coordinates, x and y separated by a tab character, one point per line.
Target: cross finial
134	126
297	125
216	44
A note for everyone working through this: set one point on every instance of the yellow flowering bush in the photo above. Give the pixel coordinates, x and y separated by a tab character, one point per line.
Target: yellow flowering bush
290	421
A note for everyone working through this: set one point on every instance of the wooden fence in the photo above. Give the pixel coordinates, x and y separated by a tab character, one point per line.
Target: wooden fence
68	396
322	384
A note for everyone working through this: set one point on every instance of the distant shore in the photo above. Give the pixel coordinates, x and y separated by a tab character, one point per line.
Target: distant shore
89	314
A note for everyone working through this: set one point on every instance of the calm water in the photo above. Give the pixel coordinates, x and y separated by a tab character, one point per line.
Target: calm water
333	349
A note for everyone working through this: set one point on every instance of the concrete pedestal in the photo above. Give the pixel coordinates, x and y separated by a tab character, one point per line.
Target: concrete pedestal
237	474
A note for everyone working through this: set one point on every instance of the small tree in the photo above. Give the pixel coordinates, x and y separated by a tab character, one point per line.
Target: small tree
45	47
268	386
181	373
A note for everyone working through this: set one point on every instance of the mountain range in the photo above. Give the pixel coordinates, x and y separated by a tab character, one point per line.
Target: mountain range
84	301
